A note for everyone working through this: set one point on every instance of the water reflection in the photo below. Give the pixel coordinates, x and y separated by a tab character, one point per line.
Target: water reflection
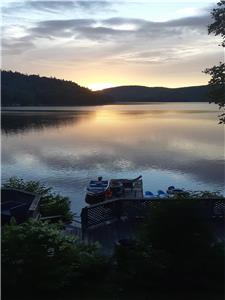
15	122
65	149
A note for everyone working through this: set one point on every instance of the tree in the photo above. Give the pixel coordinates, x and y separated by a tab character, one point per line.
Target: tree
27	90
217	73
218	26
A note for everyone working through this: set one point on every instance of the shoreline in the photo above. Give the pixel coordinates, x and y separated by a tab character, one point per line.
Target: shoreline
81	107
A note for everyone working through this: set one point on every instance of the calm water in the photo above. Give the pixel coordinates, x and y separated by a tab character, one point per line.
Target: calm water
169	144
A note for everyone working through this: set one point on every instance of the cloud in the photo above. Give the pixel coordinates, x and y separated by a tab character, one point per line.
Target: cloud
200	20
120	45
196	21
17	45
82	28
101	33
108	29
55	6
123	21
50	6
56	28
93	43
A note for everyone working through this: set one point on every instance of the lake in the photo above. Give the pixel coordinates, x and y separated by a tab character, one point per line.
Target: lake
168	143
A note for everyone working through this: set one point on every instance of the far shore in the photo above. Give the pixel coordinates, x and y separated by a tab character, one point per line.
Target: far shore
70	108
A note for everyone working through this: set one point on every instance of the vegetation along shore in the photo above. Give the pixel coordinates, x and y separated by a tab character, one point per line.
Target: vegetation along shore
172	247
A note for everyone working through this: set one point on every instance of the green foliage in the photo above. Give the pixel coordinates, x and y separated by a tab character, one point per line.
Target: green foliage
217	73
204	195
36	257
175	226
176	250
140	266
32	90
218	26
191	195
217	88
51	204
179	228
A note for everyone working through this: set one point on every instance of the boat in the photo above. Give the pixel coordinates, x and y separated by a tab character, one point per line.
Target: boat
170	193
97	190
100	190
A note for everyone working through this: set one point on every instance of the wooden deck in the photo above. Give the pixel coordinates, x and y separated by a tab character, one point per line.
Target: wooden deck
116	219
109	233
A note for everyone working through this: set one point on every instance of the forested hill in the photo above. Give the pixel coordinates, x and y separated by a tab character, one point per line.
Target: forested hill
32	90
161	94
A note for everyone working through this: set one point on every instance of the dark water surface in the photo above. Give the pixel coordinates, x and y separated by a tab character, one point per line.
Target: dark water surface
169	144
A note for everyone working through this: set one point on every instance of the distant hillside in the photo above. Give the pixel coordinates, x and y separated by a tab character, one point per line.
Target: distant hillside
151	94
32	90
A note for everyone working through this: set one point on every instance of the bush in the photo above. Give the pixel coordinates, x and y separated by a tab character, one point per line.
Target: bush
37	256
177	249
140	267
51	204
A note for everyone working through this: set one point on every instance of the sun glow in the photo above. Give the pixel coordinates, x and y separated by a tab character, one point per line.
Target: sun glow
100	85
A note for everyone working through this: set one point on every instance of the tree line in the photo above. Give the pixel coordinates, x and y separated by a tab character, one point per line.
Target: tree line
32	90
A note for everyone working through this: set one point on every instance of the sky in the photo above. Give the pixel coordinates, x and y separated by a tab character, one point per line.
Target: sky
100	44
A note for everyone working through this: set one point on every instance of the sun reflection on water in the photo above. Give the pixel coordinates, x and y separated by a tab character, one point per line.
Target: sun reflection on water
65	150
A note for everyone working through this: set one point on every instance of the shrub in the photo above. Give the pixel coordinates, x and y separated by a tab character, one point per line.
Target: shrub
37	256
177	249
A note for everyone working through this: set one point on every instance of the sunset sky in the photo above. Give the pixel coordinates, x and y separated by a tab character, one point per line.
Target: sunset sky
100	44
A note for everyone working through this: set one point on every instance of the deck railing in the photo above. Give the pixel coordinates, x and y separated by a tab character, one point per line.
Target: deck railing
110	210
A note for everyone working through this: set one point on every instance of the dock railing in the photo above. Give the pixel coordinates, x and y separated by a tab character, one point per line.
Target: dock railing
113	210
